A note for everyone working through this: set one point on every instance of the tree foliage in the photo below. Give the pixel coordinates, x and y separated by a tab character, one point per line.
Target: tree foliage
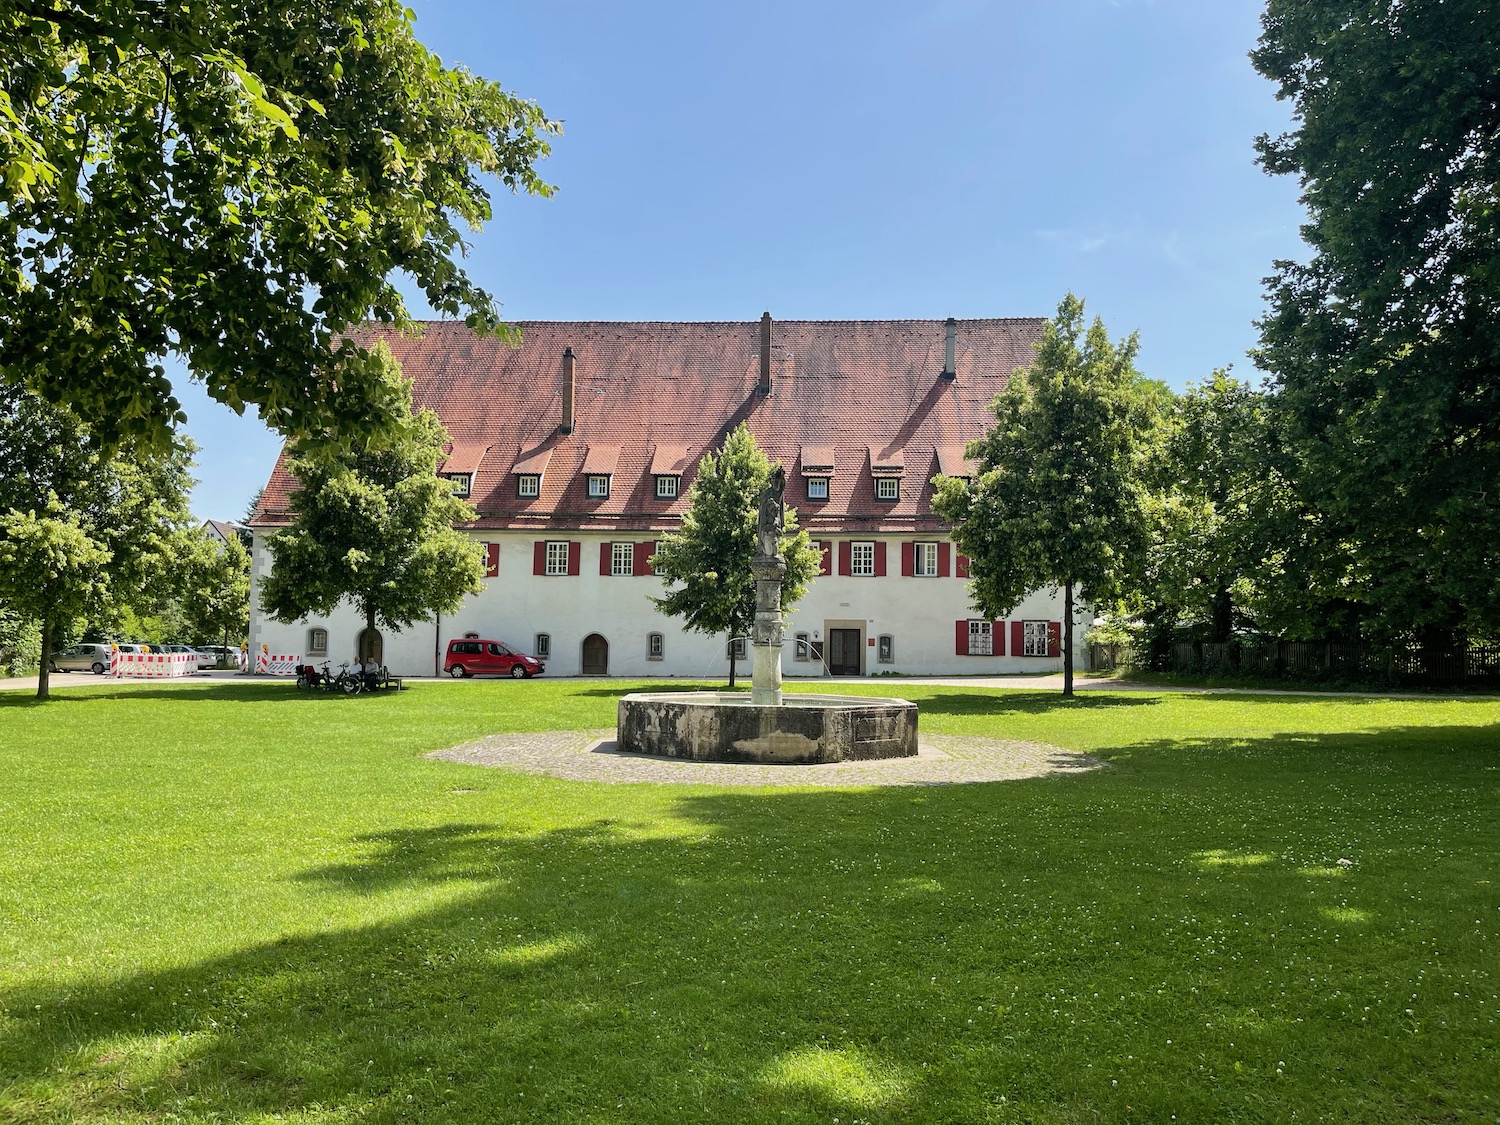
81	531
235	184
215	591
1059	499
706	564
376	526
1385	343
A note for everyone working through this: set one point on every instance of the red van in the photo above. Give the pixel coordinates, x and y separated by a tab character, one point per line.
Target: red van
474	657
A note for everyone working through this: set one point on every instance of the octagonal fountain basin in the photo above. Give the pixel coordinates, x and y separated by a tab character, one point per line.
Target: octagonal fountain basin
710	726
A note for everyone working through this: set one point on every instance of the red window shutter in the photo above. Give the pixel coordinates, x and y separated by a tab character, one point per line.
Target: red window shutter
492	560
908	556
575	557
1054	638
826	567
539	557
643	553
944	550
605	552
961	638
961	566
997	637
846	565
1017	638
880	558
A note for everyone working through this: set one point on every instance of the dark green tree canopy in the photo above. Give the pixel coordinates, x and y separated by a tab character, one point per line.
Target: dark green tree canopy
235	184
1385	343
706	565
376	526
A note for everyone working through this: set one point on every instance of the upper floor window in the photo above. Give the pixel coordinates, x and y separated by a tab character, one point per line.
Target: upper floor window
528	485
862	559
925	560
1034	638
460	482
887	488
817	488
666	488
598	486
622	559
557	557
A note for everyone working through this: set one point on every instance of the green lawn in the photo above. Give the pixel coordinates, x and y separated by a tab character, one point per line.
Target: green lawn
232	903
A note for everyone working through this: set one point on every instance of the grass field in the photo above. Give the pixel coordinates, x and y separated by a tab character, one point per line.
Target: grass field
238	903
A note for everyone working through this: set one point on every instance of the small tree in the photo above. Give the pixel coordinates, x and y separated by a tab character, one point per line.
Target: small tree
216	589
1059	499
376	527
708	561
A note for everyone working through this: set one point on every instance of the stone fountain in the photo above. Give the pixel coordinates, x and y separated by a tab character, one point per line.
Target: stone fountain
766	726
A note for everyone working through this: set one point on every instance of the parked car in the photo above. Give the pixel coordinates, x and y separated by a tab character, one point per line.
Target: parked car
204	659
475	657
87	657
219	656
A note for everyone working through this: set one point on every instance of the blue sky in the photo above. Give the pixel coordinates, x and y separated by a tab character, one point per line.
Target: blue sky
840	160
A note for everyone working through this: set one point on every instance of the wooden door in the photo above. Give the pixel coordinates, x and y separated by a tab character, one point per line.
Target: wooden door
844	652
595	655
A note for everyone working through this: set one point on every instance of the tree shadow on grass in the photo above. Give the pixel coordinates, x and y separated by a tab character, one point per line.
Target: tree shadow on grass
884	955
1002	701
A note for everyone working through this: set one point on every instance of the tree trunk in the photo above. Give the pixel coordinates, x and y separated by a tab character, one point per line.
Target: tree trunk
43	676
731	658
1222	608
1067	640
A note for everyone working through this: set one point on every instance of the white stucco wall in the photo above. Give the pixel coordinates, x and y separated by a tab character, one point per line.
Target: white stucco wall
918	613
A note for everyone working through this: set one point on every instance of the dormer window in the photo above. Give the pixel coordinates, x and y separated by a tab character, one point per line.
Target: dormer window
529	486
460	481
817	488
598	486
666	487
888	488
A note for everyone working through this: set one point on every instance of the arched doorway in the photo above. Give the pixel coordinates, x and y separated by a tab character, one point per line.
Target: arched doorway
595	655
371	645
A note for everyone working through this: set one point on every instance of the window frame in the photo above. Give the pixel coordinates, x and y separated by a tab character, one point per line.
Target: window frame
313	647
598	486
656	646
462	482
667	485
1030	631
617	551
740	647
802	651
928	548
556	559
533	480
885	649
542	646
817	488
857	547
891	483
986	631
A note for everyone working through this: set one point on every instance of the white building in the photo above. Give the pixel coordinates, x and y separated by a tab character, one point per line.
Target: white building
578	449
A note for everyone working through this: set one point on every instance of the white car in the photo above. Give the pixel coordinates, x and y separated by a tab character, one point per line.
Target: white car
204	659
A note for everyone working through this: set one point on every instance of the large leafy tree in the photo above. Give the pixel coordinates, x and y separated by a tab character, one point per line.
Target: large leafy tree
1060	496
235	184
1385	343
215	590
82	531
706	564
376	526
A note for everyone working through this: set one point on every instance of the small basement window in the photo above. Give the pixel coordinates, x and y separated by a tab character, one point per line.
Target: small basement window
317	642
803	649
542	646
736	648
886	649
655	646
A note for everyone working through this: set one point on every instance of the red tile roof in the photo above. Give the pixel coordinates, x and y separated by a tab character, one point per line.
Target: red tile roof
851	391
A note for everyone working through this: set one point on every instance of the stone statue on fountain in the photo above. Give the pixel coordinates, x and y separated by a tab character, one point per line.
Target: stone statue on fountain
769	566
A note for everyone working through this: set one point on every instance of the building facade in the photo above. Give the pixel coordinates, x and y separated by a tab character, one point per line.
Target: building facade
578	449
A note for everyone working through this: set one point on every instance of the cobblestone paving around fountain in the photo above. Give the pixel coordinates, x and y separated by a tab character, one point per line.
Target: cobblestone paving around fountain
590	755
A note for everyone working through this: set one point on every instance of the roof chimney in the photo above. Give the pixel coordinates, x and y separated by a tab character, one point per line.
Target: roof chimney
764	387
950	332
566	425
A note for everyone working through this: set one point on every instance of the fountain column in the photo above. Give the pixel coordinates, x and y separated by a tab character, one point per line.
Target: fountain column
769	568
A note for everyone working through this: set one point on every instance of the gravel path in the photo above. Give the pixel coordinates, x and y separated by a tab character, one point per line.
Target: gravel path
590	755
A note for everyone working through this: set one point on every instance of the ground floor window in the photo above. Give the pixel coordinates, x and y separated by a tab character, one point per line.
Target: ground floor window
543	646
736	649
885	649
1034	638
981	638
317	642
654	646
803	650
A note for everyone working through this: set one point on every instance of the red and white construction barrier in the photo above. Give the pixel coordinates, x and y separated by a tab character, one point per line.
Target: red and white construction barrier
153	665
268	663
